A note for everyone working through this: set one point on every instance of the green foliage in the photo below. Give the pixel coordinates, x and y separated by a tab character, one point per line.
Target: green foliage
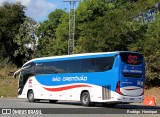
49	43
26	41
149	45
108	26
11	17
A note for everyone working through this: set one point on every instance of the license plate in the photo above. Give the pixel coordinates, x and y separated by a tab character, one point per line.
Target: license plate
131	98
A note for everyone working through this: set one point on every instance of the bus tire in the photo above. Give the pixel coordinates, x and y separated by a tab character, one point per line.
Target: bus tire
30	96
53	101
85	99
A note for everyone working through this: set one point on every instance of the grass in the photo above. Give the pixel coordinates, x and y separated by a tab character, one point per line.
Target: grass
9	85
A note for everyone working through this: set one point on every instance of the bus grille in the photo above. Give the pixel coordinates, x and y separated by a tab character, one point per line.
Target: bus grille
106	92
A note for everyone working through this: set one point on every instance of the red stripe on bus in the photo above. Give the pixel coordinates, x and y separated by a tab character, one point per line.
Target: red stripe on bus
65	87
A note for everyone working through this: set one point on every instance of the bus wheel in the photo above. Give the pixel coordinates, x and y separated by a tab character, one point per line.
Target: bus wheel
85	99
53	101
30	96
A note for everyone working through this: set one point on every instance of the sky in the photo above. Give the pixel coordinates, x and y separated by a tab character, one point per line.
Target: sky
39	9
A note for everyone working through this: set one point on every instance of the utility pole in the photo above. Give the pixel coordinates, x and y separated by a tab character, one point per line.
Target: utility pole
71	25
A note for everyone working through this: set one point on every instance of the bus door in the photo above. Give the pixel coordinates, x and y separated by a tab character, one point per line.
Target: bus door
21	81
131	74
20	84
24	74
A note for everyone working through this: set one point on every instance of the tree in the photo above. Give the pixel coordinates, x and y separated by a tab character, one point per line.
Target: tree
26	41
109	25
48	44
150	47
11	17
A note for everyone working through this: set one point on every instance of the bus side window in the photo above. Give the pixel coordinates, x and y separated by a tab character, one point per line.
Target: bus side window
61	67
104	64
49	67
74	66
88	65
38	68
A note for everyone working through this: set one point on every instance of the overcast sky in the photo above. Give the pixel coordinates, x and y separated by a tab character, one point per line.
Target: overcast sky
39	9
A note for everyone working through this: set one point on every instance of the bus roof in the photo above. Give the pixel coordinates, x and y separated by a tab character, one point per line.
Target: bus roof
74	56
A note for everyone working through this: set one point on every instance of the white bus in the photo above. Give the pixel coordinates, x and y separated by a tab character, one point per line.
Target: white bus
108	78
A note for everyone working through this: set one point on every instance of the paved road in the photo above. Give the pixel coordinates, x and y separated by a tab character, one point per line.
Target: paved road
67	107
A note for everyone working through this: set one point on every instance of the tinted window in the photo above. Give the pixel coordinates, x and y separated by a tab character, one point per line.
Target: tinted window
88	65
26	72
61	67
28	68
43	68
132	75
131	58
39	68
74	66
104	64
49	68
